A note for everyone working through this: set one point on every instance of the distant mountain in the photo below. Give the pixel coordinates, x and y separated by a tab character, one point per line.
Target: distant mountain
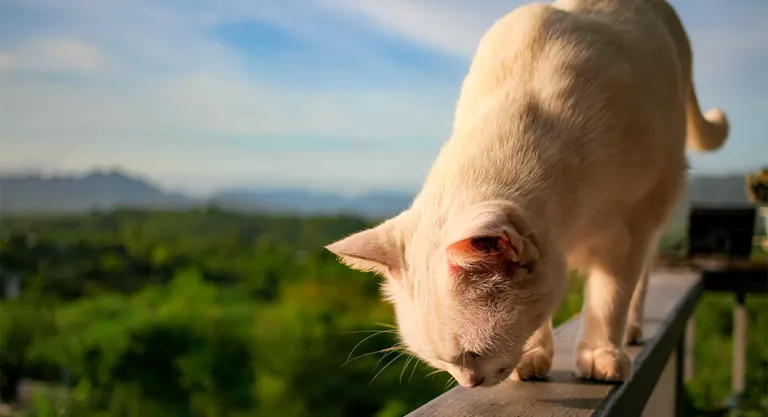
97	190
298	201
702	190
723	190
112	189
711	191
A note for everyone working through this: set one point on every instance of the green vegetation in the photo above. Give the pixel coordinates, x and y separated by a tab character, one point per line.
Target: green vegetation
213	313
713	349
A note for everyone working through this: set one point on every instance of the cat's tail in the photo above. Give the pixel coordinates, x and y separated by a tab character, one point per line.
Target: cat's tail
705	132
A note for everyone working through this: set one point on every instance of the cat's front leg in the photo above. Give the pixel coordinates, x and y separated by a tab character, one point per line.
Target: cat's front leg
634	332
537	355
599	353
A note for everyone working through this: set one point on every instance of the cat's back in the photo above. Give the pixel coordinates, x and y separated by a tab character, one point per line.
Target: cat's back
580	89
571	50
509	52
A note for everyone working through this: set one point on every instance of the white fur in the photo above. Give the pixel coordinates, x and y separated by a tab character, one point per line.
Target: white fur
568	143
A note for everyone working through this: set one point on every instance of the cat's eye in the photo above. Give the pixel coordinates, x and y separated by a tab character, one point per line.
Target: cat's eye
473	354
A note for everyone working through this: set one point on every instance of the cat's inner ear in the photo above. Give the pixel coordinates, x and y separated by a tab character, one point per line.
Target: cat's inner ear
375	250
488	239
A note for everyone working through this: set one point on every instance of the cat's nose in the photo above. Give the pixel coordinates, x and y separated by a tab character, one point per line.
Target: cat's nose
473	381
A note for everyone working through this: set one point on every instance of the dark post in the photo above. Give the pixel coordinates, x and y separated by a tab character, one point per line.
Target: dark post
721	231
739	344
681	399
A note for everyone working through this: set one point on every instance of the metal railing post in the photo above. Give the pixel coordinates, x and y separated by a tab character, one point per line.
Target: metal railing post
690	343
739	344
681	365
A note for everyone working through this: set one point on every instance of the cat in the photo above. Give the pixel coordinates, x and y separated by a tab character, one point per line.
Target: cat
567	151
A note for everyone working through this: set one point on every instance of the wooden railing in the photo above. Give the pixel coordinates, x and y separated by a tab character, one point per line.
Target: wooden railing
661	365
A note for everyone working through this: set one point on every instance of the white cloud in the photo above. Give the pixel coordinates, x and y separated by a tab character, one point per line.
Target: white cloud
454	26
55	54
7	61
213	104
457	25
170	84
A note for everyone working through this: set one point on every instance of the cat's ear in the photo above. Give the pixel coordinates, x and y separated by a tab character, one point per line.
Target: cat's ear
491	235
375	250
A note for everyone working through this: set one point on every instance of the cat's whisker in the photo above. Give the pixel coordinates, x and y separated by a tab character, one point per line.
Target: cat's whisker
363	341
530	352
502	353
579	339
368	331
555	332
382	358
389	349
435	372
407	361
415	365
448	383
561	329
506	336
535	343
385	367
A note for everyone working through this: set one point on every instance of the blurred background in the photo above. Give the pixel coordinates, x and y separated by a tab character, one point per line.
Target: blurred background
170	171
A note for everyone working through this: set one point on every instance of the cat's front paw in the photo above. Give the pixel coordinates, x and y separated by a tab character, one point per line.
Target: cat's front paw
612	365
533	366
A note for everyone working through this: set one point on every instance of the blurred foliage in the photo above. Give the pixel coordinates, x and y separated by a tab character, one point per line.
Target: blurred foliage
713	354
757	186
211	313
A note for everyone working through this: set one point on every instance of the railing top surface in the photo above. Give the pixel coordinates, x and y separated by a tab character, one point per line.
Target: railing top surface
671	298
710	264
726	275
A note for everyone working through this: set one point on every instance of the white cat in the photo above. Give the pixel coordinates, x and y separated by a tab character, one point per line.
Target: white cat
567	151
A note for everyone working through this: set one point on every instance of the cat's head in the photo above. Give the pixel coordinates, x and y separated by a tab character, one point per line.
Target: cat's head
467	290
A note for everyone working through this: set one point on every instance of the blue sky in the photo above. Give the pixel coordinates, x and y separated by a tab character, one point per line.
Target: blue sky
329	94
